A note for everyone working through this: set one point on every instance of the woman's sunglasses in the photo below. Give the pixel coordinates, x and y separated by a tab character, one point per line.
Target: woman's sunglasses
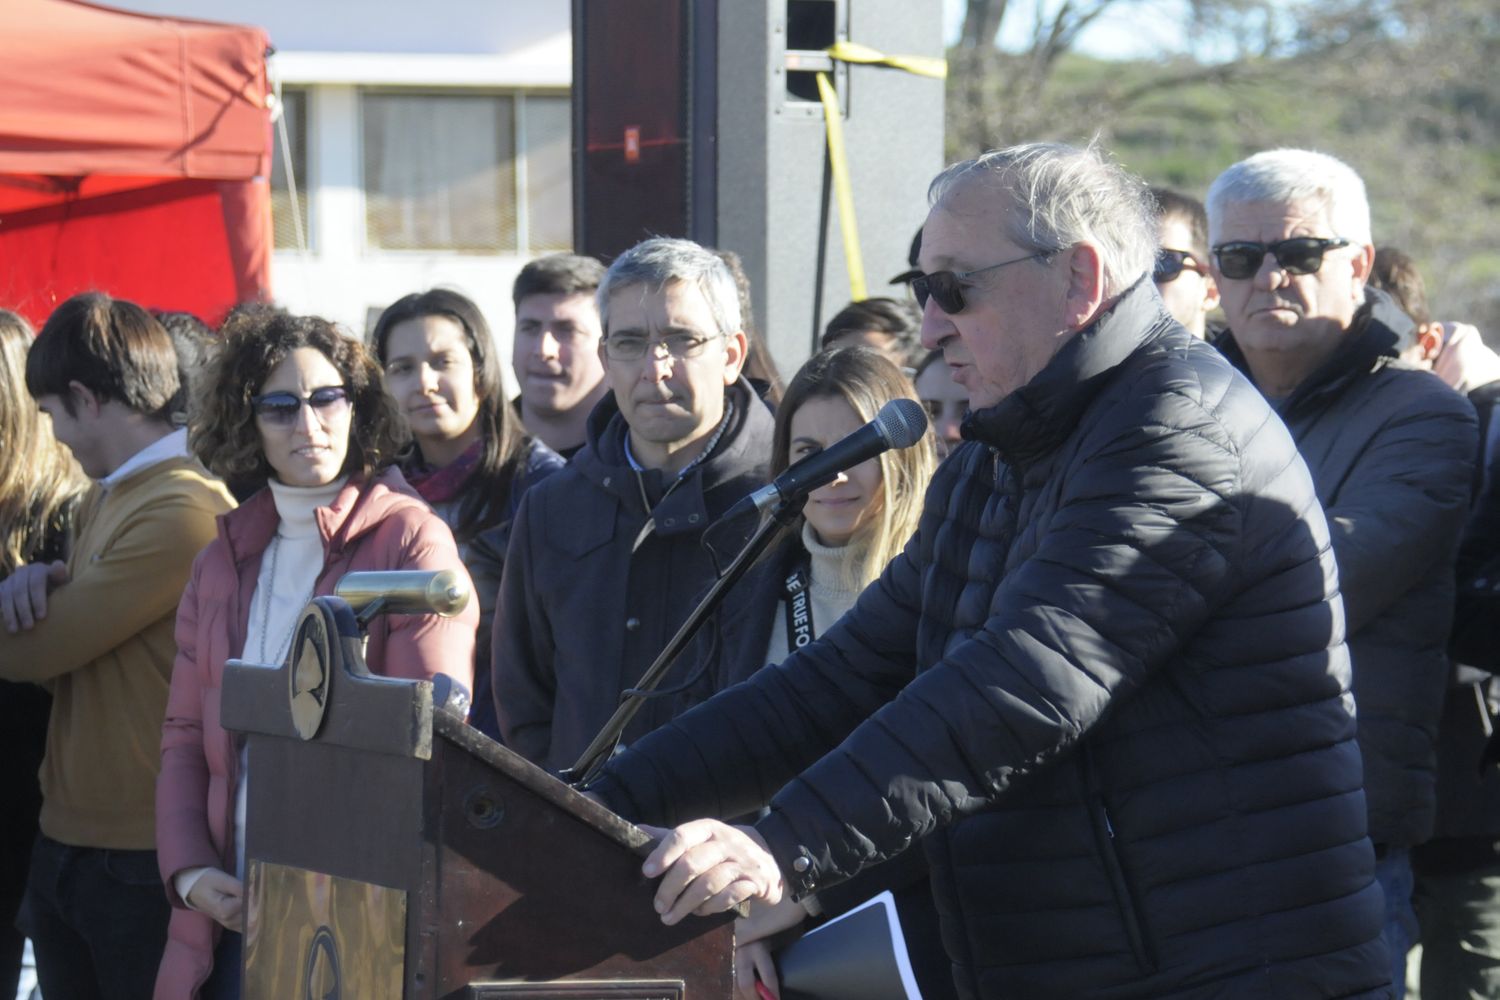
947	287
1300	255
280	409
1171	263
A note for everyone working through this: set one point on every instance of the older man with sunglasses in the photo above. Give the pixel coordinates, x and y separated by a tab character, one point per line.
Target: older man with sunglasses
1391	451
1104	687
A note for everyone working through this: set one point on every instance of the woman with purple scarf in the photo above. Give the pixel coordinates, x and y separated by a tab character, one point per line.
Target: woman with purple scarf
470	457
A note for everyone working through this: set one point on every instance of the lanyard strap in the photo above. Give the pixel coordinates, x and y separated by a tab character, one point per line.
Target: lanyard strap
799	617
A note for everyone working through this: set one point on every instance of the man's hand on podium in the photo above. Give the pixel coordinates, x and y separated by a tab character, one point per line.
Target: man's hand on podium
708	867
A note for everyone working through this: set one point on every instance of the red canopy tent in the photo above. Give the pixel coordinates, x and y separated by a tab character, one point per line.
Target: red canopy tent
134	159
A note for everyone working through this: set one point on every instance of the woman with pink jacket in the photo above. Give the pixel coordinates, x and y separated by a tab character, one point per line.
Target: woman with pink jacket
292	406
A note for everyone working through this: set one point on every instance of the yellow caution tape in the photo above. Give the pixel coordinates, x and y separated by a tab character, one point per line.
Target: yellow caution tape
838	157
921	65
838	160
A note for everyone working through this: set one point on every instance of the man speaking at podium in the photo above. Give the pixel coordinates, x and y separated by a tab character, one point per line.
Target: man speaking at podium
1105	686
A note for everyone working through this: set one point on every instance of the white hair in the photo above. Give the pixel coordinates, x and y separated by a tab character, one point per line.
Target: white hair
660	261
1294	175
1068	196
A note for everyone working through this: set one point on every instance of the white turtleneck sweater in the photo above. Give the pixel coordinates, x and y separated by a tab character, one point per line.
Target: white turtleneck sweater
289	570
295	556
832	587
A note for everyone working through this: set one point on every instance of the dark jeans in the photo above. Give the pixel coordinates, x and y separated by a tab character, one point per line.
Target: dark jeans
23	737
224	982
97	920
1393	872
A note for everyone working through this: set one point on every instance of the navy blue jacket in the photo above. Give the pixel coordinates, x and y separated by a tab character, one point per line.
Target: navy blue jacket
1391	450
1105	687
588	599
486	563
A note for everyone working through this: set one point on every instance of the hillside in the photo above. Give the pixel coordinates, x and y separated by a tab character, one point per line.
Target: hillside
1427	143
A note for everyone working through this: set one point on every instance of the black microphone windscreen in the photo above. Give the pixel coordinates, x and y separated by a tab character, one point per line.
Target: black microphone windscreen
901	422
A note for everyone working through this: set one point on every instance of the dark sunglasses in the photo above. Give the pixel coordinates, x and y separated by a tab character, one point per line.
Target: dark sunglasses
1300	255
1171	263
281	408
947	287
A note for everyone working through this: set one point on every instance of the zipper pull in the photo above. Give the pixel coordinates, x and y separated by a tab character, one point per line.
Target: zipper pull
645	533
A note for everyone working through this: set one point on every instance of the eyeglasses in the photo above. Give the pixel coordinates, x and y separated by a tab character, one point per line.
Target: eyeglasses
1300	255
634	347
1171	263
947	287
280	409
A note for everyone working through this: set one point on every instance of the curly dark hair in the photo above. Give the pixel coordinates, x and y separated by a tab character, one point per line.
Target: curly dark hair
254	341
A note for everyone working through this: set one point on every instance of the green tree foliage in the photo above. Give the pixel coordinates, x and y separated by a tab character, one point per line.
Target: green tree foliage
1403	90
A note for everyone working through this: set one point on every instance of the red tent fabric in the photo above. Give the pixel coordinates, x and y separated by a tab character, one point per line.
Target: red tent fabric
134	159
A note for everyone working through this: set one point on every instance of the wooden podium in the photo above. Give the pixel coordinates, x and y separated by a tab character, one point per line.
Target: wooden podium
393	851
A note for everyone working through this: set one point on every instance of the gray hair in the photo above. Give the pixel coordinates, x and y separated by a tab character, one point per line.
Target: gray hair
1066	196
660	261
1290	175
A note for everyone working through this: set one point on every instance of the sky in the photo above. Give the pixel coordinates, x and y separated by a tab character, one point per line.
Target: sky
1134	31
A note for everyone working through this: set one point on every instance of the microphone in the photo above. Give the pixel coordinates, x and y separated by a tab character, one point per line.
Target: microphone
899	424
404	592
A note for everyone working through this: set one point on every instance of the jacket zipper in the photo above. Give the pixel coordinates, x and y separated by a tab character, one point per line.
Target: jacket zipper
1104	833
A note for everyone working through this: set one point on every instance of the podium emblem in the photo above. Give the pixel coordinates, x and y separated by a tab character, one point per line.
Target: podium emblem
307	677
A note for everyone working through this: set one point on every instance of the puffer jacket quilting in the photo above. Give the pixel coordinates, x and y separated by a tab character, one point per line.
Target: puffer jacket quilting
1105	686
1391	451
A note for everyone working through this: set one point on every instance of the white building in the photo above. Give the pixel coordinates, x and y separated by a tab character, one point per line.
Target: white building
429	145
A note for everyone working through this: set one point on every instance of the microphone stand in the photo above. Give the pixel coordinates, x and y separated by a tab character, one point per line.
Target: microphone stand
598	752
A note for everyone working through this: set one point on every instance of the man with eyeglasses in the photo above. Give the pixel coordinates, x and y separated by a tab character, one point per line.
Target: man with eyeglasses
1104	687
1181	273
1391	449
608	556
98	630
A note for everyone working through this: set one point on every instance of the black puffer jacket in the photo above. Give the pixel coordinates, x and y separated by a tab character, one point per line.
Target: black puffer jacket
1105	686
1476	625
587	600
1391	450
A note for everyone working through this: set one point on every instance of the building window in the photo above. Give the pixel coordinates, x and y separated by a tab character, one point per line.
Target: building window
467	172
549	173
283	222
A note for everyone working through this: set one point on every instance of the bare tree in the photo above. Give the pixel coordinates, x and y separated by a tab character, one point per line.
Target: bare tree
1404	90
1004	95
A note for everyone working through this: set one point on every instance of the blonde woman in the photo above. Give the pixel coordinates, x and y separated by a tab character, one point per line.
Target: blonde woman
849	530
37	495
40	485
854	526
